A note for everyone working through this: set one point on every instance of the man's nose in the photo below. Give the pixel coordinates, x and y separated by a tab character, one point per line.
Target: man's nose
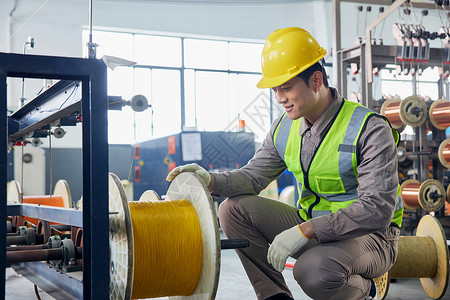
281	98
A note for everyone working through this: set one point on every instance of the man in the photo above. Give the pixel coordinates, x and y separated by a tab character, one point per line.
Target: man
345	230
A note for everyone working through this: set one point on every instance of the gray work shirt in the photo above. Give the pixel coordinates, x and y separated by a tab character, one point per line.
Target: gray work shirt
377	176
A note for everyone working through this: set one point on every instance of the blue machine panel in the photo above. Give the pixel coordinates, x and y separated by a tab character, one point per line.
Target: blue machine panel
212	150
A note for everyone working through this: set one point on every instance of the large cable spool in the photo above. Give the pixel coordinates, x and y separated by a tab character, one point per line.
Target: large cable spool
444	153
166	259
423	256
439	114
430	194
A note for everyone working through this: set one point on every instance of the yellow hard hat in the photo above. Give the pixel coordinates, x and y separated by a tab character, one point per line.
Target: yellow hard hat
287	53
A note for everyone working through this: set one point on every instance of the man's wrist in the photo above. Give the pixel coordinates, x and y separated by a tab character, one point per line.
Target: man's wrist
307	229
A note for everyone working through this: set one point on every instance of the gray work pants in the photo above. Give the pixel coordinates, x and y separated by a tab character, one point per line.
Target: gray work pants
331	271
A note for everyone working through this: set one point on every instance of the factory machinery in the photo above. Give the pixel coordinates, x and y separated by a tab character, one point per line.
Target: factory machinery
423	152
112	248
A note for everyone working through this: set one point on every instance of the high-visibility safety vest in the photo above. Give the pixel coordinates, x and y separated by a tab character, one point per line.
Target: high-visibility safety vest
330	183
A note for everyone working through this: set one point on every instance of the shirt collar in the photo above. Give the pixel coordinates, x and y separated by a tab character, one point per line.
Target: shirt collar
325	118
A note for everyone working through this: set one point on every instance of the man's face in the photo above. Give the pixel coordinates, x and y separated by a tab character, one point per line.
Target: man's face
297	98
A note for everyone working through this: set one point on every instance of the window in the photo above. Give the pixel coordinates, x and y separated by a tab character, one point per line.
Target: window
402	85
214	80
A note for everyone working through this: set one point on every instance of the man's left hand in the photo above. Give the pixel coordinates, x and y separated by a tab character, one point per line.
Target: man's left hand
285	244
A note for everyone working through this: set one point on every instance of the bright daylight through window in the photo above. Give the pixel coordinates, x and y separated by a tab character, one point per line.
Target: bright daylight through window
215	79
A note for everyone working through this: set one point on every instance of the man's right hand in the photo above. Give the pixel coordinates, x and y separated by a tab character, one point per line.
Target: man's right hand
194	168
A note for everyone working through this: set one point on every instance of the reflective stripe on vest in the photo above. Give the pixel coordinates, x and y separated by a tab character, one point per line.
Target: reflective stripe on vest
334	186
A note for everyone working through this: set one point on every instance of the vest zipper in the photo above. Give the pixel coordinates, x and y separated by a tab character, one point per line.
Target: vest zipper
306	181
306	174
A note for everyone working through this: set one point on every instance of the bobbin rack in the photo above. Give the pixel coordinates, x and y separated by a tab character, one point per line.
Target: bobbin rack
94	250
423	150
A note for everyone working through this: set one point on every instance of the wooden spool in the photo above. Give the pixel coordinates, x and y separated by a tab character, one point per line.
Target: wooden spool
423	256
185	186
416	194
439	114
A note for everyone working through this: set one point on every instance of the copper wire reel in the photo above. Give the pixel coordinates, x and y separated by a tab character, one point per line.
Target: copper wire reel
423	256
429	195
391	110
123	258
439	114
410	111
444	153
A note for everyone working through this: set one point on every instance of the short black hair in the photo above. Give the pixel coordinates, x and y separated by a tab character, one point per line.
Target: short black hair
305	75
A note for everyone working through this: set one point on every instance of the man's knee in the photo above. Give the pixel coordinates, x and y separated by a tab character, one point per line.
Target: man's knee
318	275
228	212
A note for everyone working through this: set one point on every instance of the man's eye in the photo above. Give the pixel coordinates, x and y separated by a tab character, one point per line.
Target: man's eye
285	89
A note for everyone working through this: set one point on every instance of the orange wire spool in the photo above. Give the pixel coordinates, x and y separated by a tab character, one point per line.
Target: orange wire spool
429	195
444	153
61	197
391	110
440	114
42	200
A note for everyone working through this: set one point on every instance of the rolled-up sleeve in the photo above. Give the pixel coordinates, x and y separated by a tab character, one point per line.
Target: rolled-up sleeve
265	166
377	190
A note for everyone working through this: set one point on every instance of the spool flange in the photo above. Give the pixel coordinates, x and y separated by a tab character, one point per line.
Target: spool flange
191	187
121	258
13	192
428	191
408	115
436	286
62	189
149	195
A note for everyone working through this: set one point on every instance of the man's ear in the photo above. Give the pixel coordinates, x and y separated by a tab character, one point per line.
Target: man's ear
317	78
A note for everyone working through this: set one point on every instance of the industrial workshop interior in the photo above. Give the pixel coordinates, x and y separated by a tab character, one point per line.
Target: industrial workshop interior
135	132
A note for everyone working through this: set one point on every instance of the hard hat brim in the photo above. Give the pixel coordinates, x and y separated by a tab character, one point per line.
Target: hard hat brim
265	82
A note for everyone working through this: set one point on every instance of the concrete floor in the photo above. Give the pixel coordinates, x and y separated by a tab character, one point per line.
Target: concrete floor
233	284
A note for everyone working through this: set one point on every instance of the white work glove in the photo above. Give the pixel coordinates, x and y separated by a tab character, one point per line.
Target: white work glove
286	244
194	168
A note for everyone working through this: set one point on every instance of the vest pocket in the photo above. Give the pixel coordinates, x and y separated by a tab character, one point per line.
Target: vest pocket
329	185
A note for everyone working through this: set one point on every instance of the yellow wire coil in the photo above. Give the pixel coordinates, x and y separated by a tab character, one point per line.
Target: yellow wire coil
168	248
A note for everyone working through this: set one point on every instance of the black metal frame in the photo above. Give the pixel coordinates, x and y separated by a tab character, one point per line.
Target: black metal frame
93	77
